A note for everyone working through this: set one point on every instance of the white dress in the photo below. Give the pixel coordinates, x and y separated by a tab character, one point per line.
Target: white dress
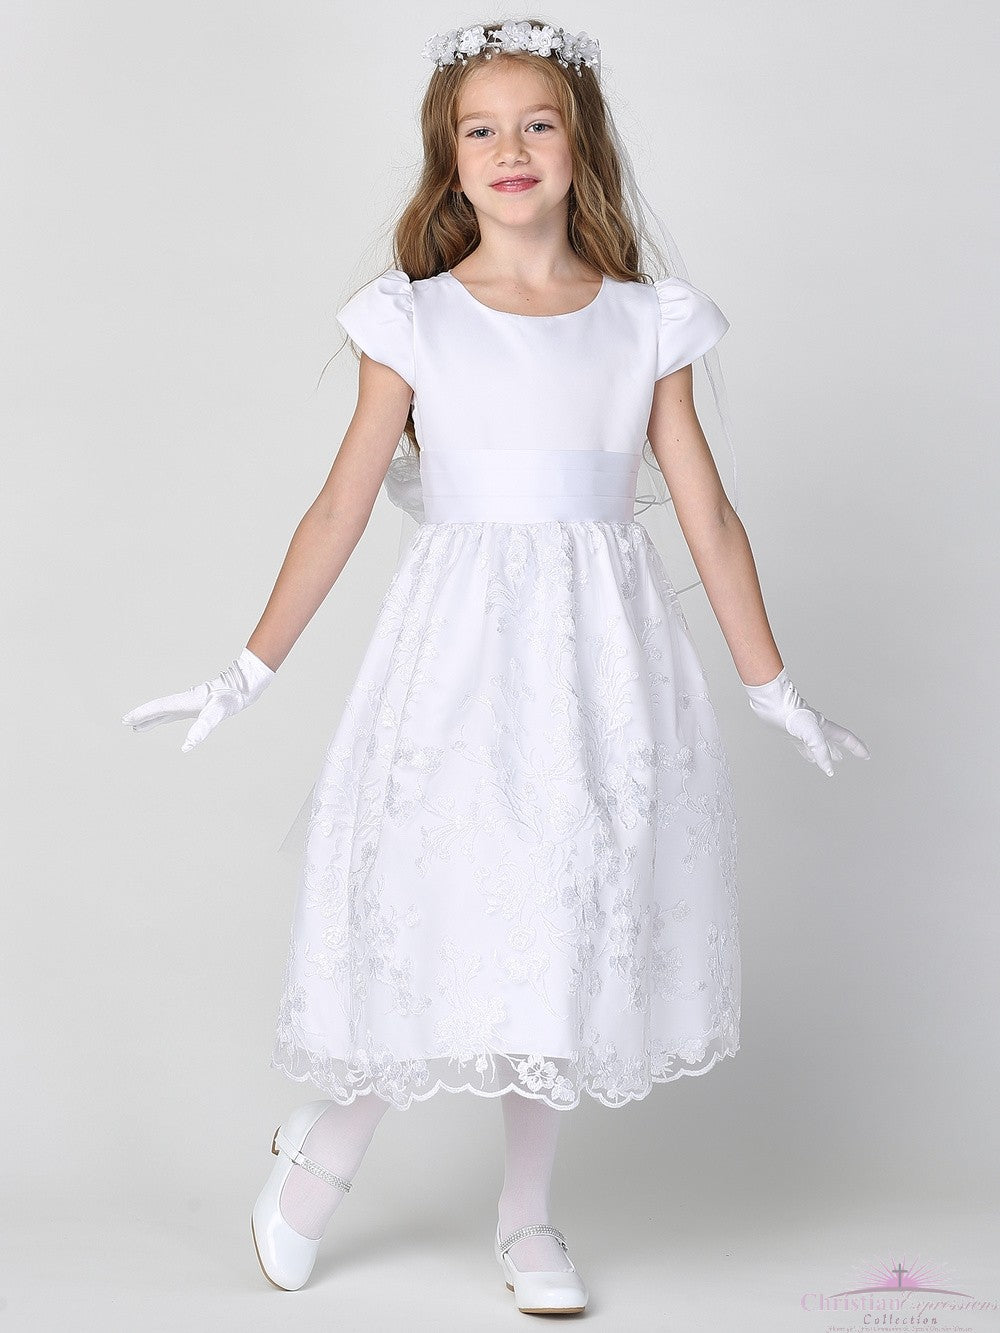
520	866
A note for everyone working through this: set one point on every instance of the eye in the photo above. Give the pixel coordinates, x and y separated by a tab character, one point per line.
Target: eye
475	134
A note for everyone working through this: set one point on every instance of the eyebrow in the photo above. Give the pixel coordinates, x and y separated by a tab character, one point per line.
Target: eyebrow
490	115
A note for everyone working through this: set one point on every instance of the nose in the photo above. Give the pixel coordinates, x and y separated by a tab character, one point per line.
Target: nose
510	146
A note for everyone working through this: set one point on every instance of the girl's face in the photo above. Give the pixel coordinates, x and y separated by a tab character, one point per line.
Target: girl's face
509	126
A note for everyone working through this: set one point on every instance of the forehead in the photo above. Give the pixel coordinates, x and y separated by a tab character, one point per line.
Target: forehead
508	88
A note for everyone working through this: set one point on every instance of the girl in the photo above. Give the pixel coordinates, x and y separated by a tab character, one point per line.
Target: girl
519	877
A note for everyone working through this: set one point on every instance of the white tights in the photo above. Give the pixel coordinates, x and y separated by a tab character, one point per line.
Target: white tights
531	1132
338	1140
340	1137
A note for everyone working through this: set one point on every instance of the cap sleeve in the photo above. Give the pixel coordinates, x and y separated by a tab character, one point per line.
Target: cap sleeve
690	324
379	318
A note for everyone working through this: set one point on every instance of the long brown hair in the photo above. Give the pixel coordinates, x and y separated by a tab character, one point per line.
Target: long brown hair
438	227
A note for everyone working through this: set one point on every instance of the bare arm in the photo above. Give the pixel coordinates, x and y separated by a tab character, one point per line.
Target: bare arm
332	525
712	528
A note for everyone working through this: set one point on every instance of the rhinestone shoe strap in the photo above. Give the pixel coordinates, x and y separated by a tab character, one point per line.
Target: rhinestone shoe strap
300	1159
536	1229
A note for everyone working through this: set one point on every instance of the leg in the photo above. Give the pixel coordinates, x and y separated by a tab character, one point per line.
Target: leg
531	1132
338	1141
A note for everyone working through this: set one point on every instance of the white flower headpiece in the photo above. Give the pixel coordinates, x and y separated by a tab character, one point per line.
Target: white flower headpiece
447	48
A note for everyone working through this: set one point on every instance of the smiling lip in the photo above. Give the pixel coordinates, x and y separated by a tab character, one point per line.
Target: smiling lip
513	184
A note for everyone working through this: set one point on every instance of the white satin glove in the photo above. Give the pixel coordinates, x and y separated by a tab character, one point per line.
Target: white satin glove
817	738
237	687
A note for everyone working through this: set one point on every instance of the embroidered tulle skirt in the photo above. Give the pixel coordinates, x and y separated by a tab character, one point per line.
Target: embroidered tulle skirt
520	863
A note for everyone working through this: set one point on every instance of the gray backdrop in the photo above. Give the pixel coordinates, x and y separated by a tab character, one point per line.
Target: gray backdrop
191	190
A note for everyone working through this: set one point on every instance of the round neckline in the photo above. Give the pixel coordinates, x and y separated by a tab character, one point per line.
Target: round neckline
513	314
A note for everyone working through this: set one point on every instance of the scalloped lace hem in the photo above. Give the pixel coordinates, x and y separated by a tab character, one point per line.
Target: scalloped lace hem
532	1076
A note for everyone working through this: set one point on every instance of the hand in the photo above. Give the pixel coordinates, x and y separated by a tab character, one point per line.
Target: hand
816	737
237	687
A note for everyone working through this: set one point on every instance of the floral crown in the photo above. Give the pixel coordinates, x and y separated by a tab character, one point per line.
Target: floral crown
447	48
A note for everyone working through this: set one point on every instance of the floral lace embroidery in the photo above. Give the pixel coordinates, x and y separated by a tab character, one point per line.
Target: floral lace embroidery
520	868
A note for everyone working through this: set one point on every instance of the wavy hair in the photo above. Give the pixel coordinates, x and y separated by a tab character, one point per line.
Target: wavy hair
438	228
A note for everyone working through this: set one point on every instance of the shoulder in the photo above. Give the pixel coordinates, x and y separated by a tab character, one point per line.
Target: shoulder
668	298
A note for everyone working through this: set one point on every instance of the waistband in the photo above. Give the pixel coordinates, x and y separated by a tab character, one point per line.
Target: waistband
470	485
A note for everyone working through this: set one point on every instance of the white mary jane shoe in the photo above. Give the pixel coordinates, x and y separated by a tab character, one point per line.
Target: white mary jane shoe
558	1292
286	1257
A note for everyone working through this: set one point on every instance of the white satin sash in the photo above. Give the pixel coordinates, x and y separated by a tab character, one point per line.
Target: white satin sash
470	485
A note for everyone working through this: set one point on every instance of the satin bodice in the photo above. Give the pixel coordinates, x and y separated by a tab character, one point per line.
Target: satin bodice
527	417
